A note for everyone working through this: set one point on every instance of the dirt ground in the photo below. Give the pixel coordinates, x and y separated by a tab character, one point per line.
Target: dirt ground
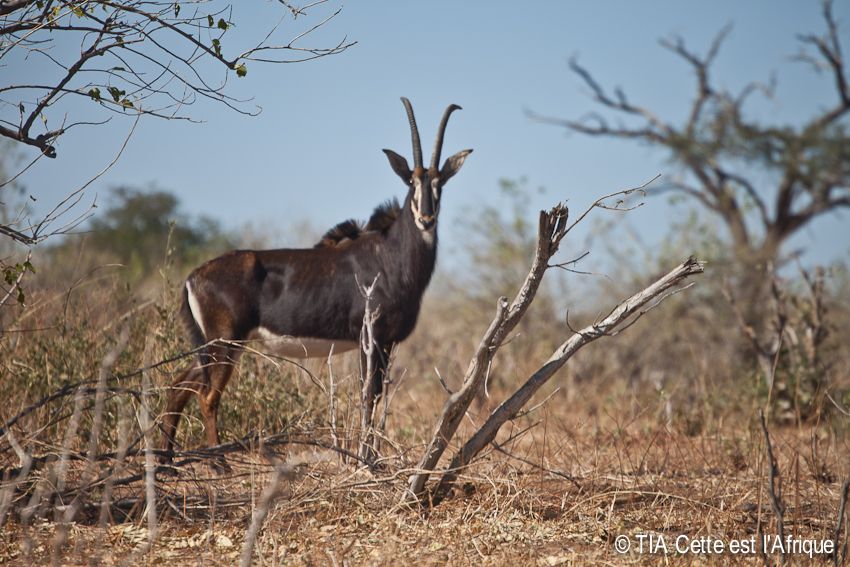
667	497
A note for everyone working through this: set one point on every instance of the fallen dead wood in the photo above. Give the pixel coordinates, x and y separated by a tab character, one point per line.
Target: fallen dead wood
21	483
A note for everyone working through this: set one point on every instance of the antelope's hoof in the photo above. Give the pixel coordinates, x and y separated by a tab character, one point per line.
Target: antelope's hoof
164	457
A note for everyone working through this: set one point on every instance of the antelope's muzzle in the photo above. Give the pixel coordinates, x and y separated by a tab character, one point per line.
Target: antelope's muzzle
427	221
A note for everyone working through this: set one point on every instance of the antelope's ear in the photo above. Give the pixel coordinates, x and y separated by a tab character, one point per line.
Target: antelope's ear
399	165
452	165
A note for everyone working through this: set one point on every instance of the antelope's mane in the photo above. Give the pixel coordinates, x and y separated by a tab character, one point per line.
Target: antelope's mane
344	233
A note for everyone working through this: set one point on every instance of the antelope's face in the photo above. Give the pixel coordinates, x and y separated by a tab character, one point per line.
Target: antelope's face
425	186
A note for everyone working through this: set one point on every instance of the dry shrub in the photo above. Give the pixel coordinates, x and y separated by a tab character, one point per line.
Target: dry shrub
653	430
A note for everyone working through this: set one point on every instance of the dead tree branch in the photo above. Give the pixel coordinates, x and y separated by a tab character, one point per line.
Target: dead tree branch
367	372
552	226
606	327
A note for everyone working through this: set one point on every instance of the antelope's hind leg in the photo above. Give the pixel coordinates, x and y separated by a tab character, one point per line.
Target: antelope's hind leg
188	382
206	379
218	365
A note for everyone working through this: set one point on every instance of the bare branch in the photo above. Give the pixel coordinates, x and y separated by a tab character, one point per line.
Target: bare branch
715	145
774	485
658	128
511	407
443	382
8	493
830	49
131	38
9	6
371	313
282	471
839	551
552	227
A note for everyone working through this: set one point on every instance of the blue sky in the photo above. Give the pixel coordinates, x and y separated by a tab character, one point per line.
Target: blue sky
314	151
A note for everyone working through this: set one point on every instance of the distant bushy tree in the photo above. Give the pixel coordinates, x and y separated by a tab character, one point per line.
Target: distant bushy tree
139	228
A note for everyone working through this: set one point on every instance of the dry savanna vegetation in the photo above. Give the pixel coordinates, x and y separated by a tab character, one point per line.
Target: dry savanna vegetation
683	402
651	432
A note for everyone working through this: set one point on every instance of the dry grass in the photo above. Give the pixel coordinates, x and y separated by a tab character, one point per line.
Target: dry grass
629	478
662	441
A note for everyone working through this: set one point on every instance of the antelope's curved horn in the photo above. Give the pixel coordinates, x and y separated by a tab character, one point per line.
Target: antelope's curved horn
414	134
438	144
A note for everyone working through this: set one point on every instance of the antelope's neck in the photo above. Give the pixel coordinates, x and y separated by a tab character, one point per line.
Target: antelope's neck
417	250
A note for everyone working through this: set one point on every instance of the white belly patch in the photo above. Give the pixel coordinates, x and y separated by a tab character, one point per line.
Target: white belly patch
299	347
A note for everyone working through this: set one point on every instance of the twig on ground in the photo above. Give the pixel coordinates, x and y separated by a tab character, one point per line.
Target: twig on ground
774	485
839	551
281	470
8	494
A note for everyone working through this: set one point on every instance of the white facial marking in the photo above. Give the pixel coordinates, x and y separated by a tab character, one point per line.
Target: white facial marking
416	217
417	193
300	347
195	309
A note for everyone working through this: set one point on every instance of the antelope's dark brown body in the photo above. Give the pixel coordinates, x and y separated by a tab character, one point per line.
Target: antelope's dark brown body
303	302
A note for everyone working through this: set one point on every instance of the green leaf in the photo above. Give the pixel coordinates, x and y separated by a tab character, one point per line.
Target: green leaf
77	10
222	25
216	46
94	94
39	4
210	20
116	93
11	275
241	70
126	103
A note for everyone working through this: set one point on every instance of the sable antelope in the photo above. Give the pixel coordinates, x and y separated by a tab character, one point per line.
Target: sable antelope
303	302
